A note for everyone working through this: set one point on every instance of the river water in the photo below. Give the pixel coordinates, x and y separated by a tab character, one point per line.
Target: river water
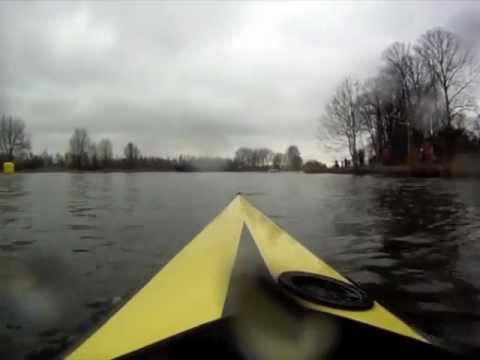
74	245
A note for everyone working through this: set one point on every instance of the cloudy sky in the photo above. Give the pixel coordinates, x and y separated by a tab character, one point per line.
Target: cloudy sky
202	77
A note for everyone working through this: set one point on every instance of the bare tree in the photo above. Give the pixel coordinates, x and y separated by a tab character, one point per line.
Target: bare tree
407	86
253	158
293	159
47	159
59	160
13	137
132	153
410	79
401	99
79	146
93	156
267	156
263	157
277	161
452	66
341	119
256	159
421	90
370	109
244	157
105	152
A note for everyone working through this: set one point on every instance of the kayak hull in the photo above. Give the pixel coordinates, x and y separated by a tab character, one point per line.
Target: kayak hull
220	296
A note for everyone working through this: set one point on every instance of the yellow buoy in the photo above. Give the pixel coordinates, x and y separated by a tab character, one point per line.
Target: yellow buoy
8	168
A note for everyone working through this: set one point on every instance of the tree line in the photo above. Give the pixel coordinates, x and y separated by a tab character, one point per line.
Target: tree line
85	154
264	158
422	96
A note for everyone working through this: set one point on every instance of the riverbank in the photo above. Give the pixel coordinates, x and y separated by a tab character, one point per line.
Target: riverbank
399	170
419	170
433	170
146	170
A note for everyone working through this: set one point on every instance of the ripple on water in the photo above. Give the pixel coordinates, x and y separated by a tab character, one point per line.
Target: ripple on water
81	250
431	287
13	327
433	306
90	216
407	244
9	220
23	242
108	243
99	303
9	248
77	209
133	227
82	227
367	277
50	332
16	245
91	237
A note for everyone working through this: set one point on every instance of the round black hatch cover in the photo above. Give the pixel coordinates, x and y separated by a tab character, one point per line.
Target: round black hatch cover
324	290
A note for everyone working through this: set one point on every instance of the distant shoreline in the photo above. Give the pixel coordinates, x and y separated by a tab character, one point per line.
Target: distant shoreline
427	171
107	171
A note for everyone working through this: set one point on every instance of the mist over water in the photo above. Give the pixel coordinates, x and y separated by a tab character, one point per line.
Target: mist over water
72	246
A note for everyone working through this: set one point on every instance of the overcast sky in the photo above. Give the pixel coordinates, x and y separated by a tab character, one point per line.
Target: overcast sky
203	77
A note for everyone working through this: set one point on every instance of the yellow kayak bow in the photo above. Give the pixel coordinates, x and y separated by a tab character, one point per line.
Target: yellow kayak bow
192	289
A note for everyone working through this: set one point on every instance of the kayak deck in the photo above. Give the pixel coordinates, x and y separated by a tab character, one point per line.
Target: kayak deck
231	268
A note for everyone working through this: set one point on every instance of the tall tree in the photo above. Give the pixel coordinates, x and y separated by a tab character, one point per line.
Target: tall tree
13	137
410	77
93	156
265	157
47	159
105	152
453	67
293	158
244	157
277	161
132	154
79	146
370	106
341	119
59	160
394	105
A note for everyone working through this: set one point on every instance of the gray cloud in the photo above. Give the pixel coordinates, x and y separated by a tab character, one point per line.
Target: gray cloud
195	77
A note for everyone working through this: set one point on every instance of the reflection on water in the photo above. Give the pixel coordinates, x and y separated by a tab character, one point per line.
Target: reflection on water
421	231
72	246
30	300
409	251
131	192
12	194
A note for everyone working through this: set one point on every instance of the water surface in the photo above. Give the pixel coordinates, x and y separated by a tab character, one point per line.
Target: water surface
72	246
